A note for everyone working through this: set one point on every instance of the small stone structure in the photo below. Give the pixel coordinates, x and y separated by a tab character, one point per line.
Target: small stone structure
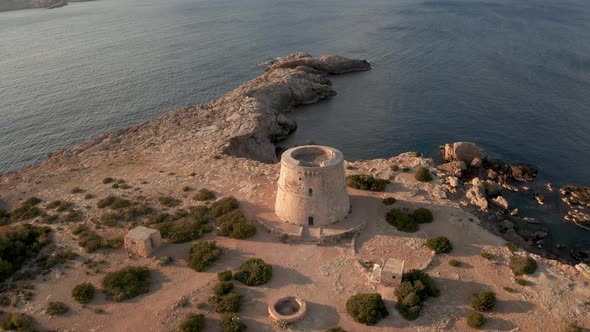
312	187
287	309
142	241
392	271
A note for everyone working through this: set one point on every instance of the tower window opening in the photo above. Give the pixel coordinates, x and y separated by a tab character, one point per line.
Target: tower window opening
310	192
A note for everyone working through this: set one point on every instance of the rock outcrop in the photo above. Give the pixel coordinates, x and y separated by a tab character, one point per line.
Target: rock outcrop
463	151
577	199
524	172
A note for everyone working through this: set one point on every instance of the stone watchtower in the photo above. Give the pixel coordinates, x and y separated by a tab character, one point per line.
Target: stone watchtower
312	187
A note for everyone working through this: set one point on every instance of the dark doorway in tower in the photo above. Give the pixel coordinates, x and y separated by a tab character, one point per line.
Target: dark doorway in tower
310	192
310	221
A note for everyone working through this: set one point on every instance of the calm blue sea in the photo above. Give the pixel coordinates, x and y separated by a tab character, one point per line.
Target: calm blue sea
510	75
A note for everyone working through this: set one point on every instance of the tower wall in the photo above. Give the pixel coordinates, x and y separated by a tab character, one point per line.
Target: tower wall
312	185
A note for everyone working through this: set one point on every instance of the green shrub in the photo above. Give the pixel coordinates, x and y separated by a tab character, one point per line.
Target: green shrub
73	216
53	204
27	210
422	216
183	230
520	281
204	195
4	217
401	221
440	244
254	272
90	241
394	168
234	224
223	206
223	287
230	302
192	323
232	323
127	283
522	265
115	242
487	255
511	246
158	218
226	275
120	204
389	200
76	190
573	327
415	288
168	201
60	256
366	182
335	329
475	319
89	196
483	301
16	321
107	201
406	169
423	175
56	308
83	293
366	308
202	255
18	245
107	180
454	263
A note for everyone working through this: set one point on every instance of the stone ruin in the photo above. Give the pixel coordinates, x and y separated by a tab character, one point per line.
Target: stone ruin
142	241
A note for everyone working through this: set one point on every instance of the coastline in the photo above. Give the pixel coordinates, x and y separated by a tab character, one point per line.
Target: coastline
229	146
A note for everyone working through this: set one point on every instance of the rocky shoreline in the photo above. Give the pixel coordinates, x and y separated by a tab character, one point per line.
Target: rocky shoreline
247	122
477	183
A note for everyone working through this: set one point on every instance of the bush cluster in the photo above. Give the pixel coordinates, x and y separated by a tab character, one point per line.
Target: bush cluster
230	302
89	240
408	222
234	224
56	308
440	244
183	231
27	210
366	308
204	195
192	323
223	287
226	275
475	319
60	256
127	283
232	323
202	255
423	175
511	246
223	206
254	272
486	255
454	263
415	288
522	265
366	182
113	202
18	245
483	301
168	201
16	321
83	293
335	329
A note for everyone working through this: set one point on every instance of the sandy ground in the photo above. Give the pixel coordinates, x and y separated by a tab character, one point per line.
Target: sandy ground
325	276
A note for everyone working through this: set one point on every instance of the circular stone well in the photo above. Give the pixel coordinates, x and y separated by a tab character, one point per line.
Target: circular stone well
289	309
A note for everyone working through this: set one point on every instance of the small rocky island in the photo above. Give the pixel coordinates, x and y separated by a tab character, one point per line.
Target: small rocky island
174	225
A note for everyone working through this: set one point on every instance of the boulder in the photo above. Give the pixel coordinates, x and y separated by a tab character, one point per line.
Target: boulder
453	182
514	212
524	172
539	198
477	194
476	162
500	202
492	188
462	151
584	269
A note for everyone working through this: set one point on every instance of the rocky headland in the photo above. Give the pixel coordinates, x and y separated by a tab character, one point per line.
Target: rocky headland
230	146
7	5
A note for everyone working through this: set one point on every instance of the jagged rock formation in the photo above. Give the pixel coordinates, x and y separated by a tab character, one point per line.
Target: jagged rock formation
577	199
